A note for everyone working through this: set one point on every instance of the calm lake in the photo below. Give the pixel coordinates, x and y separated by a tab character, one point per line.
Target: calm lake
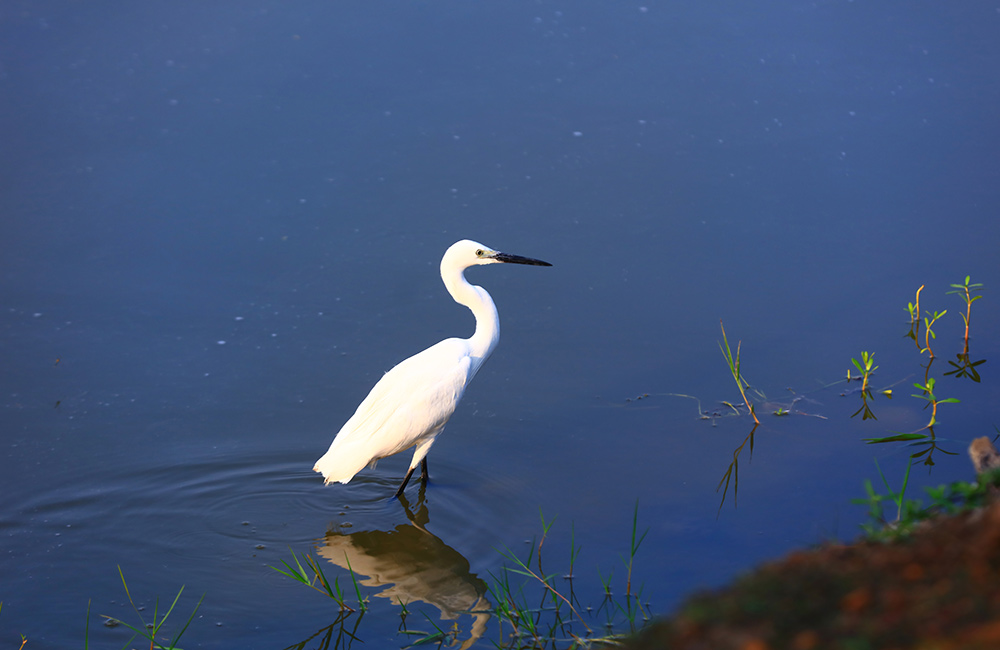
222	223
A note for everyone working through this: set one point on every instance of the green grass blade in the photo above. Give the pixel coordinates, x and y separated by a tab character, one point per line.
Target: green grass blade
190	618
357	588
897	438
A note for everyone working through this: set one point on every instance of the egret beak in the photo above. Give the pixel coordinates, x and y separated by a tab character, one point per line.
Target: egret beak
517	259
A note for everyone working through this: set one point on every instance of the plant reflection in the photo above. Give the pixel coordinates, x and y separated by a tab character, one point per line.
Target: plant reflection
924	438
927	446
734	471
865	409
965	367
335	635
414	565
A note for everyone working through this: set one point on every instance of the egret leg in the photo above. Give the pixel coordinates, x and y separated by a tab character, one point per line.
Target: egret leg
406	479
409	473
420	453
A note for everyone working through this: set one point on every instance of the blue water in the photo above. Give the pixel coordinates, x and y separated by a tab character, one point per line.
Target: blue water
221	223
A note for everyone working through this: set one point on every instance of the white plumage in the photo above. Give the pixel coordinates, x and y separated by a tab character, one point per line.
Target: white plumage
411	404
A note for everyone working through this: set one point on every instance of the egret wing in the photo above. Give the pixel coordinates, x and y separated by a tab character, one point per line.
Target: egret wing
412	402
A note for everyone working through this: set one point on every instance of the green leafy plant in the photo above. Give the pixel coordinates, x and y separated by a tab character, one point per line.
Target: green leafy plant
555	619
148	630
632	606
925	437
965	291
875	502
960	496
316	579
524	620
866	367
362	602
559	615
926	442
929	332
734	368
928	395
899	437
914	310
438	636
947	499
966	367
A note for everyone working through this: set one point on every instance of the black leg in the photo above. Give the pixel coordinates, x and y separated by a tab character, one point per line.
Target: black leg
423	470
406	479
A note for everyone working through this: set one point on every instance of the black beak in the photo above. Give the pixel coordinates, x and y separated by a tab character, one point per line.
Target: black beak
517	259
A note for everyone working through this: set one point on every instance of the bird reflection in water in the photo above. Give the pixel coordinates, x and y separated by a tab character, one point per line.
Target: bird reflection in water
414	565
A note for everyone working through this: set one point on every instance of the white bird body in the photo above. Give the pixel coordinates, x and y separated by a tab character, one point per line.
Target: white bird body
412	403
383	426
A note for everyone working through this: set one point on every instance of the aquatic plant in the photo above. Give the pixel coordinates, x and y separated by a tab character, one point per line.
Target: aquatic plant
925	438
319	582
914	309
947	499
558	615
734	368
874	501
927	393
964	292
866	367
929	332
151	629
543	611
927	442
966	367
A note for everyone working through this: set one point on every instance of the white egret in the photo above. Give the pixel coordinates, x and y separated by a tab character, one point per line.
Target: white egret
411	404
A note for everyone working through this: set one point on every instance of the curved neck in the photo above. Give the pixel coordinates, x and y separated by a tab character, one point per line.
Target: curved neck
487	320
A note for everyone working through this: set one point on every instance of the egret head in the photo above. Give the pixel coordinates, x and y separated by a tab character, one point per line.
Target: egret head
466	253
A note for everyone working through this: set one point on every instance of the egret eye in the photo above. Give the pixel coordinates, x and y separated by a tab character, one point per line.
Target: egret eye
479	252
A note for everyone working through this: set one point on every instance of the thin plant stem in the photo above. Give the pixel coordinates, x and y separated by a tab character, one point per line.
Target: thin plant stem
526	570
150	630
968	315
734	368
357	587
633	548
964	292
929	333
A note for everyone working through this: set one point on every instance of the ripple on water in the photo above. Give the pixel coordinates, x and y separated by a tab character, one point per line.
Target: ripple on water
217	522
250	506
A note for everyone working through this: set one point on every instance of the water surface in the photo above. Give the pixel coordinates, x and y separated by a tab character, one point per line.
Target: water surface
222	225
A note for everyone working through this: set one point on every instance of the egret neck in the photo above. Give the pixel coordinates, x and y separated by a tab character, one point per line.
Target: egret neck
477	299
